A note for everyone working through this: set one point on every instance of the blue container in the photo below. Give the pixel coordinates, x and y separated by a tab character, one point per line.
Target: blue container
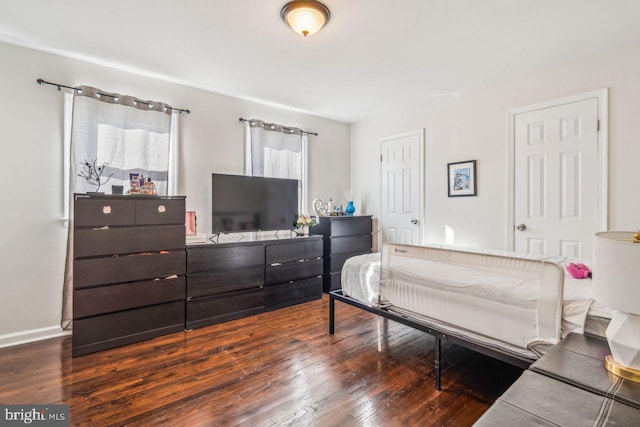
350	208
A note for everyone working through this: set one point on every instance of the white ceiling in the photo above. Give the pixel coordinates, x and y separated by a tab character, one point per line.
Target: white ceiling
373	55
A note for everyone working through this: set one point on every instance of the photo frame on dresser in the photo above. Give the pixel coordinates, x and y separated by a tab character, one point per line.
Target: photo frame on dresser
462	179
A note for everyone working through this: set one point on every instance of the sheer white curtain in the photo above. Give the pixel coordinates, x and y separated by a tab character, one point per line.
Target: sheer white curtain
174	149
126	135
277	152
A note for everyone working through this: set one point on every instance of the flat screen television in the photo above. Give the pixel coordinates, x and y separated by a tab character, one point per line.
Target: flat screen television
251	203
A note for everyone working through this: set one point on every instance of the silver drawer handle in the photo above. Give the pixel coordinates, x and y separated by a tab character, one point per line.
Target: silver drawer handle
106	210
275	264
161	209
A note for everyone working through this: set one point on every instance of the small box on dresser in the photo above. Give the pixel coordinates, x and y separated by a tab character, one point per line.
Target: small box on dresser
344	237
128	271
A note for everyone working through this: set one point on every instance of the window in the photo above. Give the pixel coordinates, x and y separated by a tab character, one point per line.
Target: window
122	133
277	152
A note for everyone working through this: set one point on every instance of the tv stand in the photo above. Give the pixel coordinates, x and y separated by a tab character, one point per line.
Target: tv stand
230	280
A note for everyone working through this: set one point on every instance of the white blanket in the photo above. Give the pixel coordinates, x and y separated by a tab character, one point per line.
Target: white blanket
361	275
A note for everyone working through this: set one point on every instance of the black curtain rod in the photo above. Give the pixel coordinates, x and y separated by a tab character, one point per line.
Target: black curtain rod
60	86
284	127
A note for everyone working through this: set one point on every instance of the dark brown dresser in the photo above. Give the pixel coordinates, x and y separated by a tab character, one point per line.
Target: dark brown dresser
344	237
128	271
228	281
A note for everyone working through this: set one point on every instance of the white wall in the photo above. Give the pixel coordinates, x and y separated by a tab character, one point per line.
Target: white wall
472	124
33	240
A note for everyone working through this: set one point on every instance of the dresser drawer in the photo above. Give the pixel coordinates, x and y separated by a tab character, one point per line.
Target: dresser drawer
107	299
160	211
218	282
334	281
337	261
293	292
214	258
92	212
350	244
306	248
95	242
109	330
127	268
214	309
350	226
293	271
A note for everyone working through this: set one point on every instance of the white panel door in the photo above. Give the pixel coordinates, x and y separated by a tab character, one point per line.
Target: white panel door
401	188
556	179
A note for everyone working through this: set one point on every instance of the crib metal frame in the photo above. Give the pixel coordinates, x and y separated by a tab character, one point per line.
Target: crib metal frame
438	333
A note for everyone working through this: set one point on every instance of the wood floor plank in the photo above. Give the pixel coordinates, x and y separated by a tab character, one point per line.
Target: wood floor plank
271	369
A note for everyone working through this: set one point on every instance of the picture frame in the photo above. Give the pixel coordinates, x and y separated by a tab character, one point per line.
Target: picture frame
462	179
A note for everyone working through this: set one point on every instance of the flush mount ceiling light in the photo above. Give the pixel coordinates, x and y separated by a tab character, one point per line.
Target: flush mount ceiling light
305	17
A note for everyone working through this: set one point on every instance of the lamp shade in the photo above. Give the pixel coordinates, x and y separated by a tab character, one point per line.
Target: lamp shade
616	270
305	17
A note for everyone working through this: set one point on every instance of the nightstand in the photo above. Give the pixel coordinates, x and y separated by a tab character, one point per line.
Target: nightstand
579	360
568	386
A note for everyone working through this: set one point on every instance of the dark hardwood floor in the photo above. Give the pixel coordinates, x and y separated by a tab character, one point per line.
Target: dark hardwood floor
277	368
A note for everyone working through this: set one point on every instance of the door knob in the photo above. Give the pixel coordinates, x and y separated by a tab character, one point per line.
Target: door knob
521	227
414	221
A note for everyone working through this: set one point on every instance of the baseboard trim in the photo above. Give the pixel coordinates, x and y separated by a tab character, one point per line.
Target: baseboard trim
24	337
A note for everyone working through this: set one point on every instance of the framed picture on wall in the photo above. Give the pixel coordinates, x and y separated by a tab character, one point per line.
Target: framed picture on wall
462	178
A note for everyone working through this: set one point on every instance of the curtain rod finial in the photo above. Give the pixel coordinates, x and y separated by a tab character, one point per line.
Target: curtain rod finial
40	81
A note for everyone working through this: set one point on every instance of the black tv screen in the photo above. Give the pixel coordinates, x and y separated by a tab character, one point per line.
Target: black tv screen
251	203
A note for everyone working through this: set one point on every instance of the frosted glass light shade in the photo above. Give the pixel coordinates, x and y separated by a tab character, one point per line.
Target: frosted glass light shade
305	17
616	270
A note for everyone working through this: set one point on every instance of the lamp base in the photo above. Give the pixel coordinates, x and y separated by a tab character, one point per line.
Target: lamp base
622	371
